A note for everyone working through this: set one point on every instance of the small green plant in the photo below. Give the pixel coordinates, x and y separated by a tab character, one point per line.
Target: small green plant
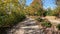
58	26
40	19
46	24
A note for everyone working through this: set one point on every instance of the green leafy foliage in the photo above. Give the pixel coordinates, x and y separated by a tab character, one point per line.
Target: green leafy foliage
11	12
57	12
46	24
10	19
58	26
49	12
40	12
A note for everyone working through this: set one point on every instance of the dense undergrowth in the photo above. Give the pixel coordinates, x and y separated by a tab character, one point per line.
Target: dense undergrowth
10	19
11	12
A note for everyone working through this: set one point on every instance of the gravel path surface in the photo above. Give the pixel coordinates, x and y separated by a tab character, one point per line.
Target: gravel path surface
29	26
26	27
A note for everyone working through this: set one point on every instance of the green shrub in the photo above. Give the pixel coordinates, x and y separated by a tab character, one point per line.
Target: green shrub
11	19
9	14
49	12
54	12
57	12
46	24
45	13
40	12
58	26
